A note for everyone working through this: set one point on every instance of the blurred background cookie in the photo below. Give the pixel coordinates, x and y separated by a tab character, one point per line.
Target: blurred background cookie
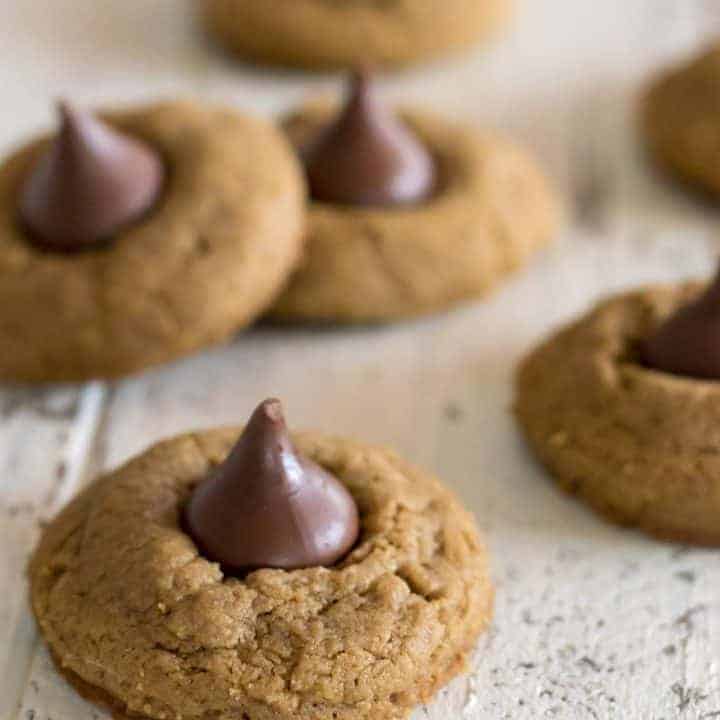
681	120
133	240
348	33
409	214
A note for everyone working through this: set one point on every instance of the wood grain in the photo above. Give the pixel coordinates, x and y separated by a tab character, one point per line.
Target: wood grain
45	447
592	621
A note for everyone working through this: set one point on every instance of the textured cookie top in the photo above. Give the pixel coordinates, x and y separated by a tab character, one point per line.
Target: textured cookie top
128	606
492	209
640	445
681	119
203	263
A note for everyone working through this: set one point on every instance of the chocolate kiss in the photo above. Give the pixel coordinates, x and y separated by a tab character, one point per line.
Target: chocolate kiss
90	183
267	506
688	343
367	156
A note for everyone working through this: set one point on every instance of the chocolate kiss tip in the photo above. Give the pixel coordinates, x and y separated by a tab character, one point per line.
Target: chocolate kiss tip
267	506
366	156
66	110
688	342
272	409
360	81
91	182
71	117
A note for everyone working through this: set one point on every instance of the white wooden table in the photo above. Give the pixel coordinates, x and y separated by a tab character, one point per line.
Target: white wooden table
592	621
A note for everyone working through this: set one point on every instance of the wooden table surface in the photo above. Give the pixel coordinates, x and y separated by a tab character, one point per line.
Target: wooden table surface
592	621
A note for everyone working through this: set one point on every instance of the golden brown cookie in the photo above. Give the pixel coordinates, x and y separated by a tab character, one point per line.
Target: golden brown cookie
139	620
350	33
640	446
202	264
492	210
681	120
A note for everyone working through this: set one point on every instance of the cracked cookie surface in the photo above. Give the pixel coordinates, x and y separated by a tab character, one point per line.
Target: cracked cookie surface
681	120
139	620
350	33
203	263
493	209
641	446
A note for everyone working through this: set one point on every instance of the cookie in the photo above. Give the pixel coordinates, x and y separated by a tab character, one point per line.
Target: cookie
201	263
410	213
681	121
350	33
138	619
491	209
637	444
